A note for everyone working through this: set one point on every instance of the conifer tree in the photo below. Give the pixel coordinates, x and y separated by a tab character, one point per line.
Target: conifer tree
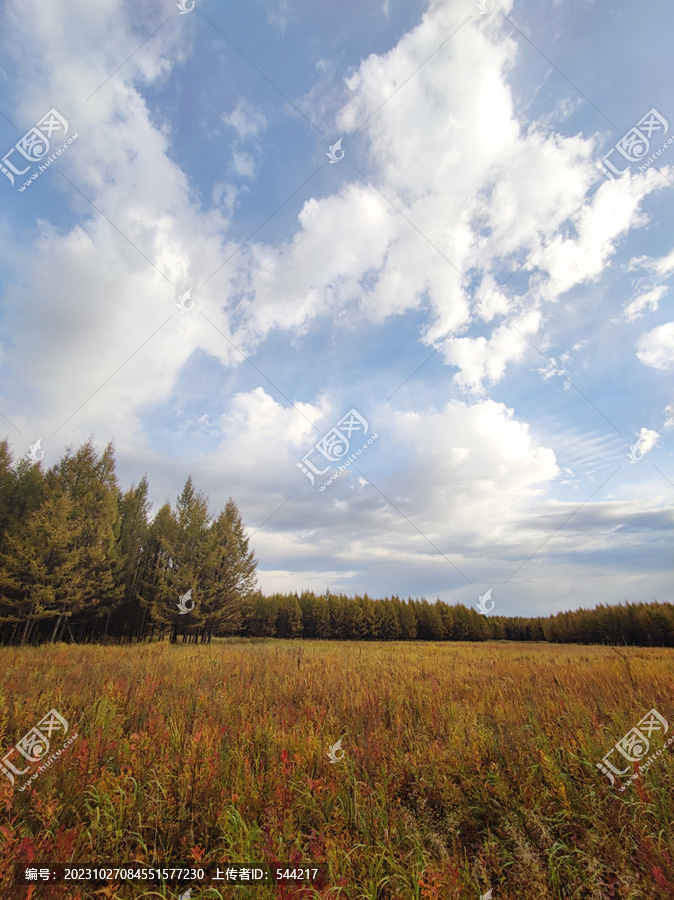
227	575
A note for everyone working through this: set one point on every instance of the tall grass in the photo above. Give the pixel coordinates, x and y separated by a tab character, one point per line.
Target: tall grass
466	766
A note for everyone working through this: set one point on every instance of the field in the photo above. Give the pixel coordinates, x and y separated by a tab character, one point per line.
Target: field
466	766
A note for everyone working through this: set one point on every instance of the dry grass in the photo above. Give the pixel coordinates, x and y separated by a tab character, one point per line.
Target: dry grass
467	766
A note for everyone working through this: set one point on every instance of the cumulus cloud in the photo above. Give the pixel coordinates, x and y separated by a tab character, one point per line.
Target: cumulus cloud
656	347
451	188
448	148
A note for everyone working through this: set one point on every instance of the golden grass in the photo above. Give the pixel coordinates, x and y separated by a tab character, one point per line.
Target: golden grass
467	766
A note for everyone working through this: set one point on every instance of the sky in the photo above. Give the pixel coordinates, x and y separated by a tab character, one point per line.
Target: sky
395	276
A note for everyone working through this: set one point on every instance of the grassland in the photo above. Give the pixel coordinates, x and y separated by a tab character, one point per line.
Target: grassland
466	766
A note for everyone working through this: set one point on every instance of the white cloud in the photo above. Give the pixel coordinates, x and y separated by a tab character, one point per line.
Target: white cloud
648	300
656	347
246	119
646	440
449	151
663	265
481	360
446	148
466	472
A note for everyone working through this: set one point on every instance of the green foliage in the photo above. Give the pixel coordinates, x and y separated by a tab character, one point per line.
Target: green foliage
80	559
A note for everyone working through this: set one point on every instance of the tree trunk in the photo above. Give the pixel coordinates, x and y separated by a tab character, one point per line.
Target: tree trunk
57	626
28	627
59	636
141	636
24	634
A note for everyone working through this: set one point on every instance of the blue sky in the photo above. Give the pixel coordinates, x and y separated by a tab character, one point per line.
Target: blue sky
465	277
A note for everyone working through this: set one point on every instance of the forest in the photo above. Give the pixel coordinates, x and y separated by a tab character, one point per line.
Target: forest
82	561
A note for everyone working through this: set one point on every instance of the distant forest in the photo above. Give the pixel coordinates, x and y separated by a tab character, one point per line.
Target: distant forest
82	561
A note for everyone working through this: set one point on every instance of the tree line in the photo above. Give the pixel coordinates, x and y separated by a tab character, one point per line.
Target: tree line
338	617
81	560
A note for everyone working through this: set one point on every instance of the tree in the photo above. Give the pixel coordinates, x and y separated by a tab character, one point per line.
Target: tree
323	622
289	617
338	623
260	620
21	491
39	576
354	621
389	624
408	621
307	603
430	624
131	616
90	484
227	576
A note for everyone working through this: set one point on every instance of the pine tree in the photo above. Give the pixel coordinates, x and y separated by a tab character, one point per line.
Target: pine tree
408	621
90	484
323	624
389	624
227	576
40	575
288	617
131	617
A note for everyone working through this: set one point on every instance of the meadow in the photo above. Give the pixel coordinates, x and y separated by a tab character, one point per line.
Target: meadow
466	767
